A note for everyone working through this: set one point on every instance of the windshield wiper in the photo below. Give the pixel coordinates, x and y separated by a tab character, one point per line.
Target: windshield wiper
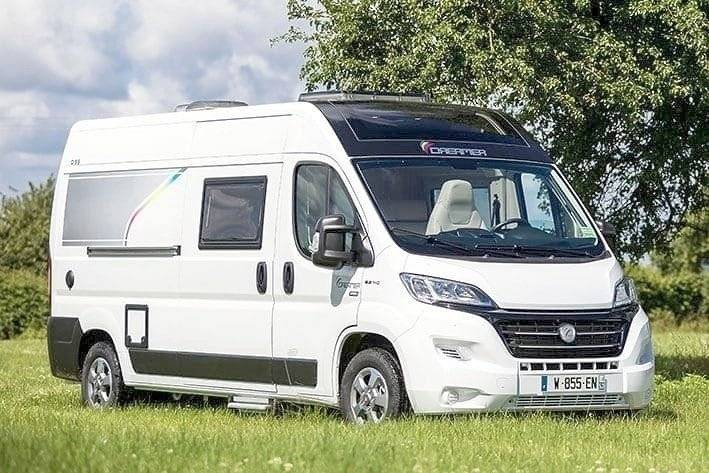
487	250
518	249
432	239
497	250
553	251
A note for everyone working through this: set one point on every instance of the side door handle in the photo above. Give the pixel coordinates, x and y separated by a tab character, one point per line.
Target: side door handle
261	277
288	278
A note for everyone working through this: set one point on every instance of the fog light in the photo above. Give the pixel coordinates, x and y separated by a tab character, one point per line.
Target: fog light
450	397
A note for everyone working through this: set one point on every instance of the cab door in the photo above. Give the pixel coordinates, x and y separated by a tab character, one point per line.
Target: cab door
313	305
219	330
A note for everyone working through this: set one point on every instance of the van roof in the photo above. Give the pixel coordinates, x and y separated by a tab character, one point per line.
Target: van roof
363	127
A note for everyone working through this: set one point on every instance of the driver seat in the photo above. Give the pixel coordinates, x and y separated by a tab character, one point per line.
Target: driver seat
454	209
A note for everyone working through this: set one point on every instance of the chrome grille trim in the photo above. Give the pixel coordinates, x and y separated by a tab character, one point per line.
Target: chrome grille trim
556	334
566	347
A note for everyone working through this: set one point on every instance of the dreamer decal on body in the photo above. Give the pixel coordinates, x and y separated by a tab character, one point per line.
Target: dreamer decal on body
430	147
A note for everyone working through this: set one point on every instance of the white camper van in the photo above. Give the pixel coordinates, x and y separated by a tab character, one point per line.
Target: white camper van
374	252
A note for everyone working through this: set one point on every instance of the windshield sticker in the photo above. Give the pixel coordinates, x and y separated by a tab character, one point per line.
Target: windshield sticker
587	232
430	147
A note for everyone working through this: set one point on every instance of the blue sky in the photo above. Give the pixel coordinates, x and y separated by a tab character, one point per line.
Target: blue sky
68	60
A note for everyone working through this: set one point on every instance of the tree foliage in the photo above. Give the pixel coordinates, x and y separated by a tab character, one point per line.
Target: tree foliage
24	302
689	251
24	228
617	91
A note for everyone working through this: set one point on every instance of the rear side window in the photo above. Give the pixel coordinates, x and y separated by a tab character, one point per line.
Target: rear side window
124	208
232	213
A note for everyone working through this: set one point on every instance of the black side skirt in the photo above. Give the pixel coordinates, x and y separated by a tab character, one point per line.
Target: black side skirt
252	369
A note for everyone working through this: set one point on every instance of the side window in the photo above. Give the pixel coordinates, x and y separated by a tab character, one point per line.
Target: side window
319	191
232	213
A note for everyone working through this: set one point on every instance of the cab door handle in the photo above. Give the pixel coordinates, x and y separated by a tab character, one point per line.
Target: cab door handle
288	278
261	277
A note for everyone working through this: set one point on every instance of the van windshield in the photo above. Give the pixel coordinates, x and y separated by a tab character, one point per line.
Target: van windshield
484	208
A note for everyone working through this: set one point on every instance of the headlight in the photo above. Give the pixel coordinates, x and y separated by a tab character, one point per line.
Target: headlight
624	293
434	290
646	354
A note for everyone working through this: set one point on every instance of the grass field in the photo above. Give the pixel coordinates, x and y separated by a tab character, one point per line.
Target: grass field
44	428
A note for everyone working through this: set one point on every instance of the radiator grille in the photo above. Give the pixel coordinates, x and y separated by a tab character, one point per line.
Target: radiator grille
535	334
569	401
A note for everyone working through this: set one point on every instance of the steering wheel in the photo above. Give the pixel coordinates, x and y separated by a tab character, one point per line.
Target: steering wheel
517	220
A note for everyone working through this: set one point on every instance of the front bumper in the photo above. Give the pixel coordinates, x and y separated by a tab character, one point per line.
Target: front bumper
455	362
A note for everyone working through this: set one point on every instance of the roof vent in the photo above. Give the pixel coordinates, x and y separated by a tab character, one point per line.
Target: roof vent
208	105
341	96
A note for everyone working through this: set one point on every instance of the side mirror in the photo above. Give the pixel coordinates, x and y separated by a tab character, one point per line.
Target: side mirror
330	240
609	233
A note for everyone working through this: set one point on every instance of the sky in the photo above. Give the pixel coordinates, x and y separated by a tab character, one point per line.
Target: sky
69	60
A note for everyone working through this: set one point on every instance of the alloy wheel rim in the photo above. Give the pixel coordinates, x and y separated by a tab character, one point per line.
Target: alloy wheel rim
369	396
100	383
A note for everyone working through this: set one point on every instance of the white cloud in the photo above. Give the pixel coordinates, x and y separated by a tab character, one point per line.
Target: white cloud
181	31
66	60
156	93
54	45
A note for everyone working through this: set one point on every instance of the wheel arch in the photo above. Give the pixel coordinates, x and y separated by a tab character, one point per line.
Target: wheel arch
89	339
355	341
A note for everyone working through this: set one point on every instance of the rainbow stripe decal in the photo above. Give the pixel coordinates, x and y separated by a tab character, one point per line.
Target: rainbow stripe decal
150	198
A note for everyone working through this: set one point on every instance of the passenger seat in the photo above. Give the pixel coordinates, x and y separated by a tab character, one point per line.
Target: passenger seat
454	209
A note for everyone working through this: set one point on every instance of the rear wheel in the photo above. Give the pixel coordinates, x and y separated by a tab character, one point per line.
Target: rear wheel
372	387
101	379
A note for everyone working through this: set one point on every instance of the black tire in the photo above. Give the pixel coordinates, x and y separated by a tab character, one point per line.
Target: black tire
118	393
385	363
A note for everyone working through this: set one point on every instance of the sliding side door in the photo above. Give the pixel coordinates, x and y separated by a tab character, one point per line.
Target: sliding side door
219	331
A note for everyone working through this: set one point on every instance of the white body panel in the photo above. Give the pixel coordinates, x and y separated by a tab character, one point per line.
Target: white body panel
205	302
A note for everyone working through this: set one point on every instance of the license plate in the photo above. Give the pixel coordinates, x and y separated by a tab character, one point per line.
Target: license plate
573	383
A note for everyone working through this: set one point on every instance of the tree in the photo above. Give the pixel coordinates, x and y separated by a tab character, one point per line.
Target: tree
617	91
690	248
24	228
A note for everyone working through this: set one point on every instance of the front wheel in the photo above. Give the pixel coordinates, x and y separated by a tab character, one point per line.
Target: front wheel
101	379
372	387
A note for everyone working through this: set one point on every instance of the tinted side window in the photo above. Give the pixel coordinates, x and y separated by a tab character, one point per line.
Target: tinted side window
319	191
232	213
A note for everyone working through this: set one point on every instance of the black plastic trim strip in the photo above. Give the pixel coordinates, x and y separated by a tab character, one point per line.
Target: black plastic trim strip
63	340
252	369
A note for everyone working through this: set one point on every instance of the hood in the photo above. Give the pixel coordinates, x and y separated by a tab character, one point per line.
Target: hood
562	286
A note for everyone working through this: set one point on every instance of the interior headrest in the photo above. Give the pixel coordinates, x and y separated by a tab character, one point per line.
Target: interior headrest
457	198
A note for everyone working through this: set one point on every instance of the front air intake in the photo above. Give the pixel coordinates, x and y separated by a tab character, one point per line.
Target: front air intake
569	401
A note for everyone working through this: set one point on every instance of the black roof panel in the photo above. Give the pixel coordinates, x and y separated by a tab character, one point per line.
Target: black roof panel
378	128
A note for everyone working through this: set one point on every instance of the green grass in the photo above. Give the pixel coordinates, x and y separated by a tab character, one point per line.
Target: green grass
44	428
